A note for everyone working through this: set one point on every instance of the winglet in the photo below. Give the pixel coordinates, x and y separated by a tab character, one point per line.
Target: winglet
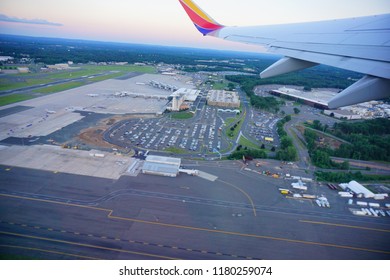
202	21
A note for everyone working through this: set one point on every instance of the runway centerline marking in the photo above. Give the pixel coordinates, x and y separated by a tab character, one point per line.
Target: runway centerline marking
342	225
131	241
86	245
110	216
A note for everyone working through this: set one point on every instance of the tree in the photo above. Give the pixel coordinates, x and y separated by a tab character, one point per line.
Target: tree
288	154
317	125
286	142
344	165
297	111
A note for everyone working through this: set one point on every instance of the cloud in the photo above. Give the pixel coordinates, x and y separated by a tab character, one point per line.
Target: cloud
28	21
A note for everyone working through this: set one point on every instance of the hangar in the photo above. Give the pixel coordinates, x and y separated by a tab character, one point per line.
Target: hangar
162	166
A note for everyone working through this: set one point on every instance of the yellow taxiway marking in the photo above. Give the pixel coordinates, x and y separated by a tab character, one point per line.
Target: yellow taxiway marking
86	245
342	225
242	191
49	251
110	216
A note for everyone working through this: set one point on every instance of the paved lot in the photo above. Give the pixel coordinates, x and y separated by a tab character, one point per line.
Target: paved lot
263	125
61	216
57	159
199	135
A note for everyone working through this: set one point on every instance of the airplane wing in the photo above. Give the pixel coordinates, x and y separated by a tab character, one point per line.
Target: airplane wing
357	44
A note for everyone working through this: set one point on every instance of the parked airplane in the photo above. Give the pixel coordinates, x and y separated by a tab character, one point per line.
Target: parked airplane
357	44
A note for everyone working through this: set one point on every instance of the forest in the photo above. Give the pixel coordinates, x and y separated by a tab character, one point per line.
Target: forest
54	50
369	140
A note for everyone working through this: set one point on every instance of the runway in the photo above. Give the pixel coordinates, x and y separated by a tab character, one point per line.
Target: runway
62	216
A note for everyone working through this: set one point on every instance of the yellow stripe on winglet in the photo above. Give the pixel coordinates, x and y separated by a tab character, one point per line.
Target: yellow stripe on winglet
198	10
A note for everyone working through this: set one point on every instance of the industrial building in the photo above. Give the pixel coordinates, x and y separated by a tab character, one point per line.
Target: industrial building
314	98
342	114
222	98
357	189
162	166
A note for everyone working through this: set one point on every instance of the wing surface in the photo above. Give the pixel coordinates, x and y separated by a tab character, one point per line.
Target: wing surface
358	44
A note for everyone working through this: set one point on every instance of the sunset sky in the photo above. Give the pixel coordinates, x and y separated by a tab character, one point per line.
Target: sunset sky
164	22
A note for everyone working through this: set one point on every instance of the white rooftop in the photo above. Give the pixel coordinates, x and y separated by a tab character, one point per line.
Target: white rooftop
163	160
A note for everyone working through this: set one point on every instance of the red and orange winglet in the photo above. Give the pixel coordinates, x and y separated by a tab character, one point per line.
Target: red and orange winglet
203	22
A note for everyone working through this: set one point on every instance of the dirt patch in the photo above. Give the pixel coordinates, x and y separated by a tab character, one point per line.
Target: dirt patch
323	139
94	136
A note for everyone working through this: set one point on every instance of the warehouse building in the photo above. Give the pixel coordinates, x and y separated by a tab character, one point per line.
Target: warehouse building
357	189
161	166
342	114
222	98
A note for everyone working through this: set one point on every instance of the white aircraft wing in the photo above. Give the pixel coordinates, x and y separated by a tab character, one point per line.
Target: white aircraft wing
357	44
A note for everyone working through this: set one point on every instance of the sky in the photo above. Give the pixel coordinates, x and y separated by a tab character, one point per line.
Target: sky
164	22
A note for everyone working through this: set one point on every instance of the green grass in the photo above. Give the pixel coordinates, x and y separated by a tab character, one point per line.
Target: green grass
229	121
182	115
247	143
175	150
60	87
219	86
25	80
233	134
9	99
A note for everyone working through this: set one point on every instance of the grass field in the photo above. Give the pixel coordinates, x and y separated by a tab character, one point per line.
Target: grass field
60	87
17	81
9	99
175	150
20	81
182	115
247	143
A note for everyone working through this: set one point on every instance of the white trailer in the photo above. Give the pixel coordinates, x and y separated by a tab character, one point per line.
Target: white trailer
373	204
382	213
303	188
374	212
192	172
359	212
361	203
368	212
345	194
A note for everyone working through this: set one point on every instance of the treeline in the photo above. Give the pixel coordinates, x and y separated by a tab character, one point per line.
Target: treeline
287	150
54	50
369	140
247	153
321	76
338	177
247	84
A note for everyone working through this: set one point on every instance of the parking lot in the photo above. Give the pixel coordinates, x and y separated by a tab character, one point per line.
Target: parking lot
201	135
263	127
